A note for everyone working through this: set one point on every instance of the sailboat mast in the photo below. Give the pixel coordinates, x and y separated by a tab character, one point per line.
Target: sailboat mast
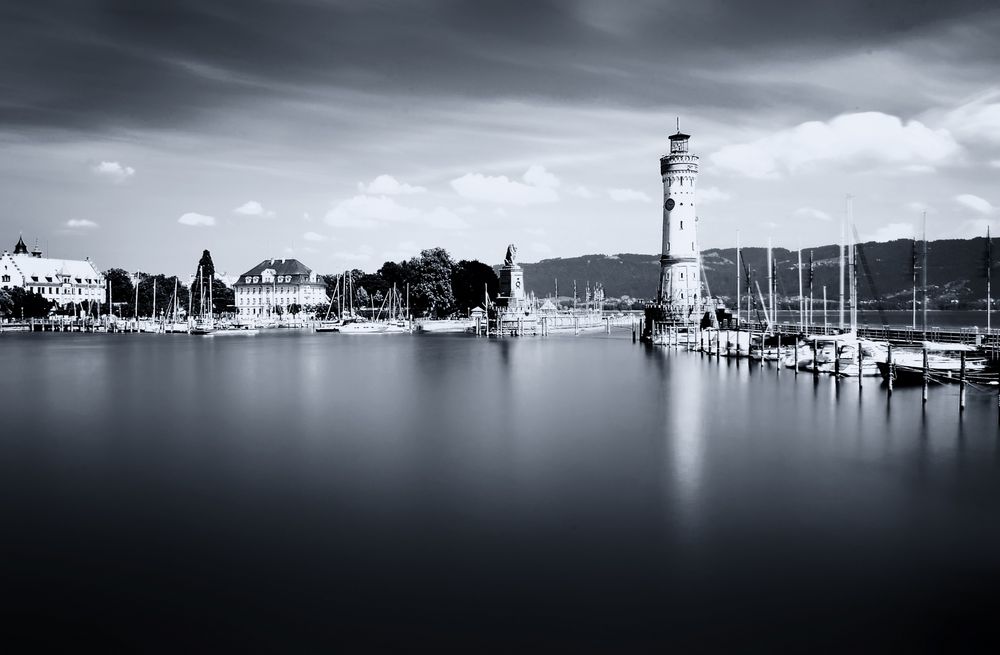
770	284
989	275
843	233
137	299
802	304
812	305
738	278
913	271
824	309
851	265
201	293
923	275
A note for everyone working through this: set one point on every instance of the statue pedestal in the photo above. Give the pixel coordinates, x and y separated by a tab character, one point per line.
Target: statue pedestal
511	294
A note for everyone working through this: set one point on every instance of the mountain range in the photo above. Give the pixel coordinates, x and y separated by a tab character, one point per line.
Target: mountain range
956	272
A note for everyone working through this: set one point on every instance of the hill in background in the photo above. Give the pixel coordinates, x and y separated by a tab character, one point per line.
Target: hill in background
956	272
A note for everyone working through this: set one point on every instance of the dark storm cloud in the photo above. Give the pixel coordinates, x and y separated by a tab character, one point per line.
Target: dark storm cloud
79	63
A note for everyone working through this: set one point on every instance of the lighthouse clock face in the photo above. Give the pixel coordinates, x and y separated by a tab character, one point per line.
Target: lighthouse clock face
670	204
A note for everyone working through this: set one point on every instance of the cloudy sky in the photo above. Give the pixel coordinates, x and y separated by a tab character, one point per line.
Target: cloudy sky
348	133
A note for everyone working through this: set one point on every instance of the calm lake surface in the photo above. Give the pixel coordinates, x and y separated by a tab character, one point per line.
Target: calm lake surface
298	492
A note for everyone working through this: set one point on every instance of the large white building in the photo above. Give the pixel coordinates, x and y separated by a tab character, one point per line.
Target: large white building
65	281
278	283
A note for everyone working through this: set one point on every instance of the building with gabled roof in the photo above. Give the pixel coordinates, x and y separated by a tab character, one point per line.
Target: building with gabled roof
64	281
275	283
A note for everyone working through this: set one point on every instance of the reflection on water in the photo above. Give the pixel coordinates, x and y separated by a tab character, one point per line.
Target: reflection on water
301	491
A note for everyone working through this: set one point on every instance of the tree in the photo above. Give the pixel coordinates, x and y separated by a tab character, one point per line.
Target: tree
223	298
294	309
470	282
28	304
6	304
431	293
122	292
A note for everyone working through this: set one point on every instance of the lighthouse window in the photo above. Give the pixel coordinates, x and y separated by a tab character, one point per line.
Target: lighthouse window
682	222
692	245
682	276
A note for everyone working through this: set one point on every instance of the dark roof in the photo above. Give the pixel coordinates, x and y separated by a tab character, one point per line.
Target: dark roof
680	136
20	248
280	267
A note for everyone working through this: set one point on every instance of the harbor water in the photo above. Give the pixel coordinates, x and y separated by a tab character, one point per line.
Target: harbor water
301	492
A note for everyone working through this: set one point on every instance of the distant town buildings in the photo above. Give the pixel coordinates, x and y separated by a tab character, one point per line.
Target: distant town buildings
65	281
275	285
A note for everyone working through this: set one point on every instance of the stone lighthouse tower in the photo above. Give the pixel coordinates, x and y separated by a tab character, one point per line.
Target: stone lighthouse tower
679	293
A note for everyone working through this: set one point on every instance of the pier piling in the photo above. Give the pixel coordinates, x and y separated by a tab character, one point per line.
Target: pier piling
861	365
961	385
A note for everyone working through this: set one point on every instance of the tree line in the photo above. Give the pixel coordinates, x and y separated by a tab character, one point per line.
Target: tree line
438	287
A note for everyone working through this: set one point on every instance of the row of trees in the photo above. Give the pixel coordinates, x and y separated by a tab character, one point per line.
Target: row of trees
438	285
20	303
123	291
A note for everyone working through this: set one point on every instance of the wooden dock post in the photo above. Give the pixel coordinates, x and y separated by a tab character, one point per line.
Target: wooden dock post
836	360
861	364
779	354
961	383
815	358
718	344
927	376
796	355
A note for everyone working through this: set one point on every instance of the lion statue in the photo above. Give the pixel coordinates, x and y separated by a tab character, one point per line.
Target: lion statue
511	255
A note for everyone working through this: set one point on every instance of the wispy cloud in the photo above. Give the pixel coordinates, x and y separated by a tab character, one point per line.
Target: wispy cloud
387	185
539	186
196	220
81	224
367	212
975	203
868	138
314	236
253	208
370	212
114	171
890	232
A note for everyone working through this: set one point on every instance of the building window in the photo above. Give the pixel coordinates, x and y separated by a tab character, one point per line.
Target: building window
682	223
6	278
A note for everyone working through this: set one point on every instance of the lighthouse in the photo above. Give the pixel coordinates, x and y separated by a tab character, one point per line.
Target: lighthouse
679	293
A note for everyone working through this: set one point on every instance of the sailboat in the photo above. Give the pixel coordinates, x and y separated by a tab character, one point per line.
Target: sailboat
333	325
393	323
203	326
